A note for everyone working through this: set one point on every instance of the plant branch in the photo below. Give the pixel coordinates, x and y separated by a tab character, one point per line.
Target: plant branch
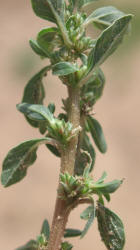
68	155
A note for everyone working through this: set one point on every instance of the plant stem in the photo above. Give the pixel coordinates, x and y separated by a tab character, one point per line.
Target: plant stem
80	138
68	155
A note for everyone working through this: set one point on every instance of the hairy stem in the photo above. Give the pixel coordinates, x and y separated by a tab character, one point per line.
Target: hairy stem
80	138
68	155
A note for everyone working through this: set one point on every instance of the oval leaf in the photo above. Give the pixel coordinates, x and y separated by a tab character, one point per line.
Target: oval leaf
97	134
54	11
104	17
111	228
34	92
18	160
108	41
35	47
36	112
109	187
64	68
46	38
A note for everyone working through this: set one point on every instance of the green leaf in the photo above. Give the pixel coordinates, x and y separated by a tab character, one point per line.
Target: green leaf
104	17
92	90
18	160
88	146
96	80
89	215
46	40
102	178
111	228
34	92
107	196
64	68
58	129
45	229
109	187
100	200
97	134
54	11
42	127
53	150
63	116
36	112
42	8
51	107
82	159
108	41
35	47
72	4
66	246
69	232
30	245
84	3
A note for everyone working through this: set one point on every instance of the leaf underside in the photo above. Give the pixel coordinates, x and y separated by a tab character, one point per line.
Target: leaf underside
18	160
111	228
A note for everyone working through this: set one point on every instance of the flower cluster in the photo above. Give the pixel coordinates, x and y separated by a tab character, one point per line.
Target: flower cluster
76	187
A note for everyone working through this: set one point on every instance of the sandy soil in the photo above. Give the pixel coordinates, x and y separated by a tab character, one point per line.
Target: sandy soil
25	205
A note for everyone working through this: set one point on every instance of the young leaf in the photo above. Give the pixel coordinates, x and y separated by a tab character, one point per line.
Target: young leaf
84	3
35	47
97	134
58	129
108	41
81	159
107	196
18	160
88	146
69	232
96	80
36	112
92	90
51	107
64	68
34	92
52	10
102	178
109	187
45	229
46	38
66	246
111	228
88	214
104	17
30	245
42	127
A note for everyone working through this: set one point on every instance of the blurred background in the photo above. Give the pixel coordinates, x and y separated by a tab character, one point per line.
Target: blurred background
24	206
